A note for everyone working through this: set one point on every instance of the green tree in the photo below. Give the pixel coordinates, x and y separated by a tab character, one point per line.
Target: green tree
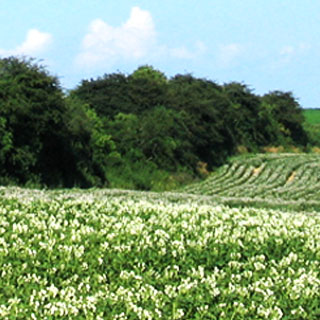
117	93
163	139
246	118
5	145
203	105
92	148
32	107
147	88
107	95
289	114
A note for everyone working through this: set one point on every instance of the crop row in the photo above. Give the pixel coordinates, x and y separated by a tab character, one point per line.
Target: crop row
284	177
129	255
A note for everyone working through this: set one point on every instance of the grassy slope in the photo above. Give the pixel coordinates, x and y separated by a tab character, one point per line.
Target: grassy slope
312	126
289	181
312	116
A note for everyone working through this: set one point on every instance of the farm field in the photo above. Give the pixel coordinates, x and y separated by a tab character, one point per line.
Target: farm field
117	254
312	116
288	181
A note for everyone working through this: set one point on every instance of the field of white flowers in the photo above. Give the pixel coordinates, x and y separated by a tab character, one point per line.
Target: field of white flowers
101	254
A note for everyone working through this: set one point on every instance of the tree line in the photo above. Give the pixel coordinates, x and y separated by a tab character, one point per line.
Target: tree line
141	131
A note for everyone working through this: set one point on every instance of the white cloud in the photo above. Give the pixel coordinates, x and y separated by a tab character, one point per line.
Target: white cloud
228	53
184	53
287	50
35	42
181	53
135	39
132	40
290	50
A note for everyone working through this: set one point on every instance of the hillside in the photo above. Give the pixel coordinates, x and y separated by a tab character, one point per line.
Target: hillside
312	116
265	180
312	126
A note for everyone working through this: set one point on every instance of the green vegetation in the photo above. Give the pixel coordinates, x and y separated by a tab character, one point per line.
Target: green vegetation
312	126
312	116
139	131
243	244
46	138
108	254
284	180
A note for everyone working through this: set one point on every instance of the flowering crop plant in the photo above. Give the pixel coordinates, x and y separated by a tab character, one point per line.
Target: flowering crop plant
102	254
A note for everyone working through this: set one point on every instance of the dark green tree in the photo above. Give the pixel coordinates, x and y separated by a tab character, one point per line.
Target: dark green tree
203	105
246	117
92	147
117	93
163	139
287	111
33	147
147	88
107	95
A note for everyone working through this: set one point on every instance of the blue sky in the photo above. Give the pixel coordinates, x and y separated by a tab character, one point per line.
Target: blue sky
268	45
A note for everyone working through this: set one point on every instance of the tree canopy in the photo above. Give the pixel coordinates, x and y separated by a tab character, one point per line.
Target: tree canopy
43	133
131	130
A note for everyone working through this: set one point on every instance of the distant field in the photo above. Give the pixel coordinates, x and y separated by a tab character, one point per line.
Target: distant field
266	180
312	116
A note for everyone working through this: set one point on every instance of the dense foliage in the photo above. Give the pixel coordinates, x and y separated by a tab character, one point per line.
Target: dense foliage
141	130
32	111
46	138
133	255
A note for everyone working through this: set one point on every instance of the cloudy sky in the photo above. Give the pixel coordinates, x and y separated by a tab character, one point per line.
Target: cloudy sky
268	45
